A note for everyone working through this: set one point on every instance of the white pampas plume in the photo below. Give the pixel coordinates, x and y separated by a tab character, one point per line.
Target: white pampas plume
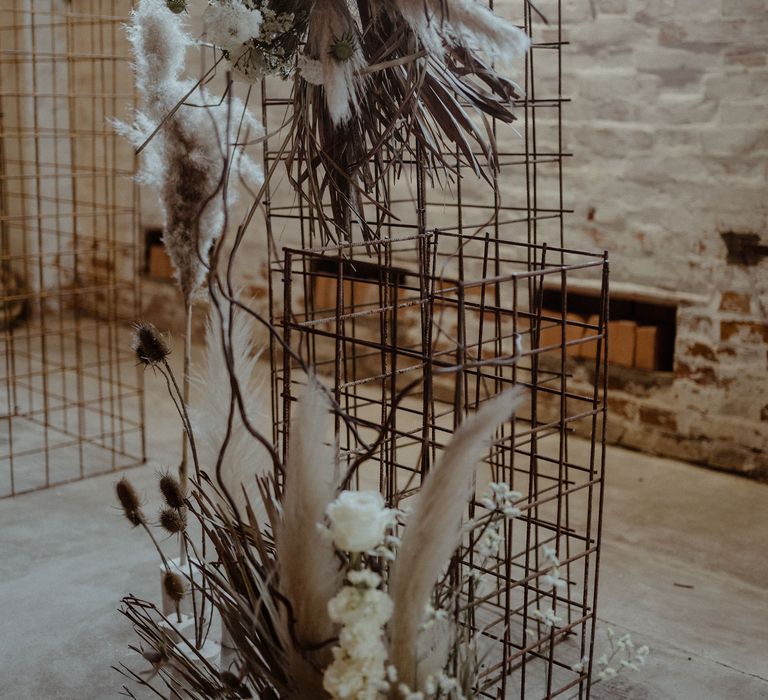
230	23
245	458
309	573
184	161
475	25
433	531
464	22
333	41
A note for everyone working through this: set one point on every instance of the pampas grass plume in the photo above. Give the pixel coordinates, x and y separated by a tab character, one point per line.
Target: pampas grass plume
433	532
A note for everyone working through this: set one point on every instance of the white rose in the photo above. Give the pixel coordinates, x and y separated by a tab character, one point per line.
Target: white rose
358	520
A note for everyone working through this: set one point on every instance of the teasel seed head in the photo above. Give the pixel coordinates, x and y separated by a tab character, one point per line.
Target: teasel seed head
234	684
173	586
148	343
176	6
173	520
129	500
171	490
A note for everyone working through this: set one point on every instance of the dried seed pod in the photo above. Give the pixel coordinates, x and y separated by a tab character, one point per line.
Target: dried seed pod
171	490
173	520
129	500
174	586
149	344
232	683
176	6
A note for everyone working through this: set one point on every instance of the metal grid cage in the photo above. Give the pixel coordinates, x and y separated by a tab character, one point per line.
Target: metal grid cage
381	328
70	398
449	303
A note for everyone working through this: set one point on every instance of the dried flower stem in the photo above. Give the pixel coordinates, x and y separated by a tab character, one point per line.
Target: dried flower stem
186	434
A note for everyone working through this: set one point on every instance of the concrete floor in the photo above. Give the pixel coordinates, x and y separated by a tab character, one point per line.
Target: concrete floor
684	570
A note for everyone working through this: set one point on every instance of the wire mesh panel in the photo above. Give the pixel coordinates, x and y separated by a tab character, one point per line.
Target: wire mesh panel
428	302
410	353
70	398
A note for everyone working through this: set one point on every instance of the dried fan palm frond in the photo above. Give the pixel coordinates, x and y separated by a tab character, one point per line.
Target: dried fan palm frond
433	533
430	91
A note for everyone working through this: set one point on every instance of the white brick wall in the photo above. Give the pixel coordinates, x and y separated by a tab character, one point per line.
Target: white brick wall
669	130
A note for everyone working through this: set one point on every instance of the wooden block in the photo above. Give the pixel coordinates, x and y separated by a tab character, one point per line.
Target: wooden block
588	350
364	294
552	331
621	342
159	263
574	332
325	293
647	347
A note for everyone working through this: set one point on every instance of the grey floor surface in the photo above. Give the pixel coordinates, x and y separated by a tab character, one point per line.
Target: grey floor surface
685	570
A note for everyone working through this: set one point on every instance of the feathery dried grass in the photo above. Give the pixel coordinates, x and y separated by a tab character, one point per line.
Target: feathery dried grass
232	361
185	159
433	531
308	570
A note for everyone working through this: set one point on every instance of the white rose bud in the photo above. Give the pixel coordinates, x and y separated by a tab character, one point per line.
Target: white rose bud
358	520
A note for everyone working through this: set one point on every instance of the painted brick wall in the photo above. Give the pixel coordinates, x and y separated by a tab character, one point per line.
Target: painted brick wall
669	130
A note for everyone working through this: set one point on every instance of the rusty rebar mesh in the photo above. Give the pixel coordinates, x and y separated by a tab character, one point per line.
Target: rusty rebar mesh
70	396
449	302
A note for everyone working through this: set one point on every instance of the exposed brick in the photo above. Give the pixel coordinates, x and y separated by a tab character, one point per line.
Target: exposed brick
256	291
621	407
750	331
658	417
700	350
735	301
703	375
746	56
612	6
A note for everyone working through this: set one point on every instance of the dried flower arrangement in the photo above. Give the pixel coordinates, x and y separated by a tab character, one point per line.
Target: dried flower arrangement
322	590
373	81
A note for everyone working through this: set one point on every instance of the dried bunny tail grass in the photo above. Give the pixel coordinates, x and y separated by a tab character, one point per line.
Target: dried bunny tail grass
186	147
244	459
334	41
433	531
309	574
